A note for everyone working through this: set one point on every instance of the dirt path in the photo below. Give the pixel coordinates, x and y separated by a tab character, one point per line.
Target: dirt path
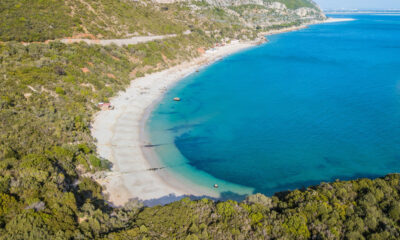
119	42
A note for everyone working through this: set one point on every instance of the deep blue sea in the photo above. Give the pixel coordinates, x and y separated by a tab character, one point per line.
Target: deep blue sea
314	105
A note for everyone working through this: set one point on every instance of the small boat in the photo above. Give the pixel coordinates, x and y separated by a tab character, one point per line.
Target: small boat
177	99
216	186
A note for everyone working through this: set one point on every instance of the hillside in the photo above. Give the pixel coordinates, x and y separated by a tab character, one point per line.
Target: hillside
50	91
362	209
30	20
48	95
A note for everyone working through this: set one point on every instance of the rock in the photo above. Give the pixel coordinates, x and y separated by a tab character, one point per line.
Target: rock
38	206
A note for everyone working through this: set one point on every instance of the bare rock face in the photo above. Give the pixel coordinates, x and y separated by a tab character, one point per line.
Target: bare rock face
260	13
277	6
309	12
226	3
168	1
218	3
303	12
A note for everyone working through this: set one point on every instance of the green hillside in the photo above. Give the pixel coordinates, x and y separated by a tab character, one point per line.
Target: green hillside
33	20
362	209
295	4
30	20
49	93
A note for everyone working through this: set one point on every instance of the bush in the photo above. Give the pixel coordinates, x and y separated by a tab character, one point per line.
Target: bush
60	91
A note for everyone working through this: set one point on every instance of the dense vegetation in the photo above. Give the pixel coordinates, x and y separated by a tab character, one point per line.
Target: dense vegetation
49	93
362	209
295	4
33	20
30	20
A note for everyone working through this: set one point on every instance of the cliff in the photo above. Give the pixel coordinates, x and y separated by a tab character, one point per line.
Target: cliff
256	13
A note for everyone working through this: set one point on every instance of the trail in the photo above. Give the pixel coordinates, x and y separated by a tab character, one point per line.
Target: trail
119	42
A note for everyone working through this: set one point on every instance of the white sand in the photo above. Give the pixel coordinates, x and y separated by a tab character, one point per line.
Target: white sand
119	134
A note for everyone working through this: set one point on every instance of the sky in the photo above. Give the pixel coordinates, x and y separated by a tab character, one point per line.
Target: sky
359	4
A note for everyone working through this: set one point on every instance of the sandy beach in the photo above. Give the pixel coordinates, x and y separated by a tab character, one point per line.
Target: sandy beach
118	132
121	139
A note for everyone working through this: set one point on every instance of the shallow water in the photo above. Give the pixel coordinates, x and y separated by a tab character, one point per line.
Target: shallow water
314	105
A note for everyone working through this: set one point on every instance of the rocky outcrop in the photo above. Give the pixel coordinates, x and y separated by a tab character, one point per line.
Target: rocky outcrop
260	13
226	3
304	12
276	6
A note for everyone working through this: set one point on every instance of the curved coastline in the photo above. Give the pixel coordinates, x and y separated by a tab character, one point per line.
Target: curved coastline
121	135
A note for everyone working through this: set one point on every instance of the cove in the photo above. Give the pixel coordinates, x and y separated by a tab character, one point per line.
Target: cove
313	105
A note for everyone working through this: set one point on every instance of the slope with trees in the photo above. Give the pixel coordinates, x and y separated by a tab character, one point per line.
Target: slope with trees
49	93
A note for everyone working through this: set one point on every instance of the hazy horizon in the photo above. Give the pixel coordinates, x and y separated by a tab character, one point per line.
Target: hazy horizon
359	4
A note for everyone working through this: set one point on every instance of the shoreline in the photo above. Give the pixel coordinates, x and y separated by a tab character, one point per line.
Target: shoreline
121	136
120	132
296	28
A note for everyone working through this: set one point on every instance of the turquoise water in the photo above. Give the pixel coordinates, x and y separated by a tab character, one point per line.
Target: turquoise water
314	105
